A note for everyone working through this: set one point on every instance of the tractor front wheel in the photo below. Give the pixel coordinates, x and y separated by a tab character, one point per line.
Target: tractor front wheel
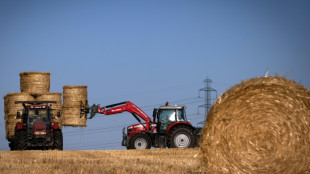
58	140
139	141
20	141
181	137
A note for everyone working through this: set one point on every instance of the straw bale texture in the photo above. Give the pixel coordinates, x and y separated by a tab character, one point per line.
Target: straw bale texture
72	98
71	117
10	123
261	125
9	102
10	131
35	82
56	107
73	95
10	110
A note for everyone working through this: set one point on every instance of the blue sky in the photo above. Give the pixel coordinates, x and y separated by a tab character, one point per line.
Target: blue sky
149	52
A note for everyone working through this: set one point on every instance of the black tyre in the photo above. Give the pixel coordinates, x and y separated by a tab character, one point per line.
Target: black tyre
11	145
139	141
58	140
20	141
181	137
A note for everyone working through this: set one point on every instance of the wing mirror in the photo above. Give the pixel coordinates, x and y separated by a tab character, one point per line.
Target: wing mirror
18	115
154	114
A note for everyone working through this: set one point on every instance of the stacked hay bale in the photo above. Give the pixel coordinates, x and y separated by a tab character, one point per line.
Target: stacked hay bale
261	125
73	98
10	110
35	83
56	107
34	86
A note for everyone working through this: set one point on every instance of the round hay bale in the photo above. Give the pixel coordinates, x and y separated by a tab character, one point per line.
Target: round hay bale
72	117
35	82
74	95
10	122
56	107
10	131
11	119
261	125
9	102
11	109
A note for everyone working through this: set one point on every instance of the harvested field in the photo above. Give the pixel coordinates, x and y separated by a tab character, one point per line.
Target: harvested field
109	161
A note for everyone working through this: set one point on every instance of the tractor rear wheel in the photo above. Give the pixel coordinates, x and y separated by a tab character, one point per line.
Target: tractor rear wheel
11	145
139	141
20	141
181	137
58	140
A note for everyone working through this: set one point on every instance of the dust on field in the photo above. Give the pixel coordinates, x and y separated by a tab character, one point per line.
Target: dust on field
108	161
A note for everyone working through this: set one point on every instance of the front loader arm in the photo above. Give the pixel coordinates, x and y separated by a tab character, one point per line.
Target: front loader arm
119	108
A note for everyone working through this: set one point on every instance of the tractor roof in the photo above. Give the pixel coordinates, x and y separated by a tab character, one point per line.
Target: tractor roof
38	107
35	104
172	107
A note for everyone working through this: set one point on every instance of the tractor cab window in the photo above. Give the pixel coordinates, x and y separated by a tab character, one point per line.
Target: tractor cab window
166	115
37	114
165	118
181	115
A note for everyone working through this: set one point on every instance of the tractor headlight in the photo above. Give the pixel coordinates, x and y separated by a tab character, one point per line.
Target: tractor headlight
40	132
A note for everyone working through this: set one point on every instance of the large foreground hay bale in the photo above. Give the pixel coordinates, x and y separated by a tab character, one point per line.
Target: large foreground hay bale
10	110
35	82
261	125
73	98
56	107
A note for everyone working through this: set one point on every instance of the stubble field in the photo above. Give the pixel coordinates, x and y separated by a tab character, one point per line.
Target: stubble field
108	161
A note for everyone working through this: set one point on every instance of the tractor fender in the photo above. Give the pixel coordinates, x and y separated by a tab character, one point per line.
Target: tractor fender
20	126
139	132
54	126
128	137
176	124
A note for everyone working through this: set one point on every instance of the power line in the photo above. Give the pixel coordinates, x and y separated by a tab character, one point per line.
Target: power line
175	101
93	147
95	129
182	104
91	132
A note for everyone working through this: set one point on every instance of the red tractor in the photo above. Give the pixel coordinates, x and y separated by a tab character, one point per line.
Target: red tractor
169	127
37	130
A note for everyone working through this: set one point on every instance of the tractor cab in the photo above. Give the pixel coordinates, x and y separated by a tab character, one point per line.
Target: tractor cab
165	116
38	118
35	113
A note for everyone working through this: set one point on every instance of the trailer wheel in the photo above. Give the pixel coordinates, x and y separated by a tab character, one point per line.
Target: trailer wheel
139	141
181	137
20	141
58	140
